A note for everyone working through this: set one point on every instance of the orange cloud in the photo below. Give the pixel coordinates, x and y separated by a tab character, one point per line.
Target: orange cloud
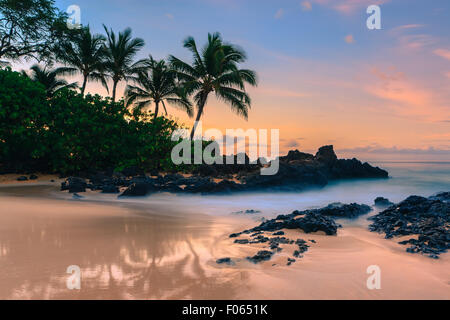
406	97
444	53
349	39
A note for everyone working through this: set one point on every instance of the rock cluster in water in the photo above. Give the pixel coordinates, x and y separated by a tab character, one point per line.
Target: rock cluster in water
426	218
308	221
297	171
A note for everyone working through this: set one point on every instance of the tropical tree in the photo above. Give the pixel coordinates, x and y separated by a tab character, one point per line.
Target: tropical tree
216	70
50	79
30	28
85	54
120	52
157	85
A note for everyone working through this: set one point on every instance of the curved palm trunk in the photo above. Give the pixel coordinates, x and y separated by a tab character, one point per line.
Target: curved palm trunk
164	106
156	109
201	106
83	88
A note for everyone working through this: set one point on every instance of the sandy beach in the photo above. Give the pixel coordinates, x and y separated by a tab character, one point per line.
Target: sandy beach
159	249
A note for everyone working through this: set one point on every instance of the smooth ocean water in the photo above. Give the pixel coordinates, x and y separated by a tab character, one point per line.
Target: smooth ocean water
406	178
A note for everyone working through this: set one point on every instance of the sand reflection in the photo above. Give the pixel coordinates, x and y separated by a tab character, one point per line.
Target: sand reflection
123	253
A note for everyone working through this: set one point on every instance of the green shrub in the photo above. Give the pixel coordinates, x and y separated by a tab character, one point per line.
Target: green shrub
23	113
71	133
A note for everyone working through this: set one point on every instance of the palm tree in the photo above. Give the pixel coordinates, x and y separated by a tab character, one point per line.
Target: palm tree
85	54
157	84
120	51
216	70
49	78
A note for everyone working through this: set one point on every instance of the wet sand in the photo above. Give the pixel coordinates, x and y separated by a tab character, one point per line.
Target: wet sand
160	249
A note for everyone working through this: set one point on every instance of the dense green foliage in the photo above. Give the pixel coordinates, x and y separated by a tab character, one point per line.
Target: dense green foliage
30	28
22	118
71	133
45	125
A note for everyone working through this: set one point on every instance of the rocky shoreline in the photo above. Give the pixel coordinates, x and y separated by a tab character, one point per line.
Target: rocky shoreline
297	171
426	218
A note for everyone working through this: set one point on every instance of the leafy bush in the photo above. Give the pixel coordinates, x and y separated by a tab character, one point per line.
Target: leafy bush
23	113
71	133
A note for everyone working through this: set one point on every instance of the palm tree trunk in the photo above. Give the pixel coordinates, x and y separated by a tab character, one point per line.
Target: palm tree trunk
201	105
114	91
156	109
84	85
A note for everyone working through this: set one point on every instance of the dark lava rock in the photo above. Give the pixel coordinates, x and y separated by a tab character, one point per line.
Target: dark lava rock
76	196
256	234
279	233
291	261
111	189
74	185
339	210
327	155
442	196
297	171
290	177
383	202
139	189
296	155
260	239
227	261
302	247
22	178
308	221
429	219
242	241
261	256
33	177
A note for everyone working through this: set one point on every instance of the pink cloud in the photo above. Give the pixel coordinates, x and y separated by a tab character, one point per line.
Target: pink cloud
349	39
348	6
406	97
306	6
444	53
416	41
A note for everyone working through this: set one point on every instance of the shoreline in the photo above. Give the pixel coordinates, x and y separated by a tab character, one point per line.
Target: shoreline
152	241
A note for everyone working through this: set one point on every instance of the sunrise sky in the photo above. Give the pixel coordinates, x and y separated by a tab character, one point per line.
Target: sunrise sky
324	78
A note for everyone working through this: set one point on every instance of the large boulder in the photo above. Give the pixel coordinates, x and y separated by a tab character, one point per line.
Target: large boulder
326	155
140	189
74	185
383	202
308	221
339	210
